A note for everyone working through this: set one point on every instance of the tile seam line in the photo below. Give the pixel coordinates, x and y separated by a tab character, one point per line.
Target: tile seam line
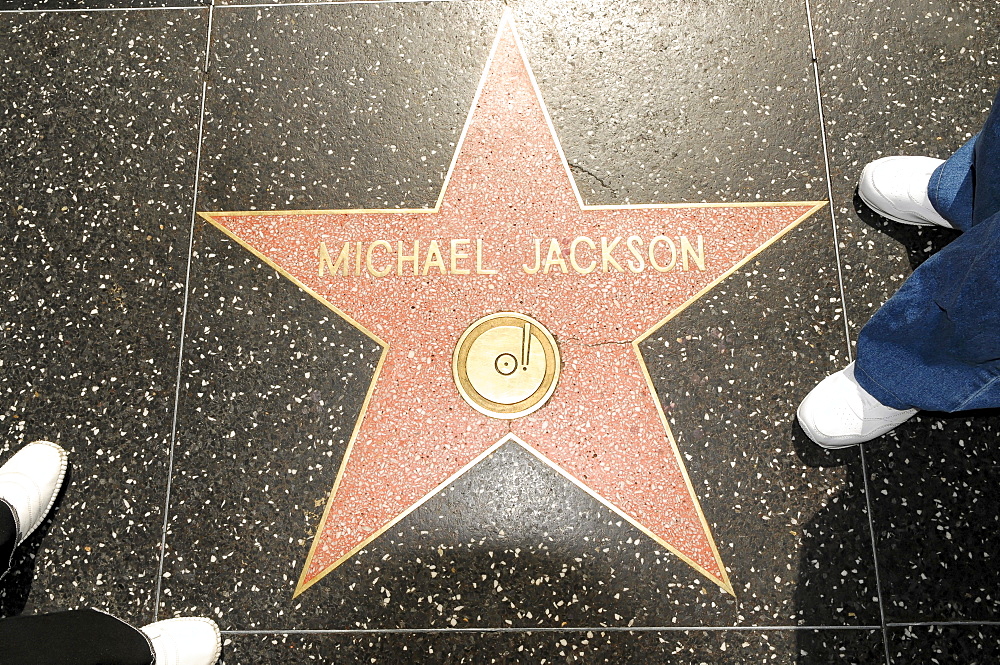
94	10
334	3
847	327
829	182
183	331
88	10
581	629
908	624
878	577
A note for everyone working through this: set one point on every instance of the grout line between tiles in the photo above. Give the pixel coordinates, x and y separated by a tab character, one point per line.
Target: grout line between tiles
878	577
829	184
184	313
544	629
344	2
88	10
943	624
92	10
847	328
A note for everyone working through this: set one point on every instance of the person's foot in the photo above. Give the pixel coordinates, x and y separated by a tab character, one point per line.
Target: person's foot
184	641
30	481
896	188
838	412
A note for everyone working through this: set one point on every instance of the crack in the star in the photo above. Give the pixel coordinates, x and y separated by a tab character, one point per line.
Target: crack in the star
577	340
577	167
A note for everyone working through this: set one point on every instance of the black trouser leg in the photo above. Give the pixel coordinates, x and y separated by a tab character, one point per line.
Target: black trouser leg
78	637
8	537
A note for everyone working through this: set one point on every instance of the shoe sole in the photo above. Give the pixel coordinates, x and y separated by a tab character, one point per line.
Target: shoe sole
894	218
63	465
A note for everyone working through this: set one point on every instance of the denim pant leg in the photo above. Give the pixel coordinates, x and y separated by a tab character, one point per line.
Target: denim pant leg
950	187
965	190
78	637
935	344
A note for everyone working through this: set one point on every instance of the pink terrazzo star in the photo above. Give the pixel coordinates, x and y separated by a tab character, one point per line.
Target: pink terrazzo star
508	187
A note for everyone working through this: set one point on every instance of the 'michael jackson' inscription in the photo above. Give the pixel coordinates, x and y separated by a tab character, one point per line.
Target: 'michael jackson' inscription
466	256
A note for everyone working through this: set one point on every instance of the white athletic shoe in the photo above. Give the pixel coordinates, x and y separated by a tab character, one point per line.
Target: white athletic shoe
838	412
896	188
30	481
185	641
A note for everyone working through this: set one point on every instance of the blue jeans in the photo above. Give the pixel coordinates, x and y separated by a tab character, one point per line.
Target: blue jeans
935	344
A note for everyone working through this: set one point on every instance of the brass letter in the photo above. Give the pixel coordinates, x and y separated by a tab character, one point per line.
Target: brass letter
639	264
554	257
688	250
572	255
456	255
652	254
324	257
606	257
368	259
357	259
403	258
434	259
342	263
538	259
480	270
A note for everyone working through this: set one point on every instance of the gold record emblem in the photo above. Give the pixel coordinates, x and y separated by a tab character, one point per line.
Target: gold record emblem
506	365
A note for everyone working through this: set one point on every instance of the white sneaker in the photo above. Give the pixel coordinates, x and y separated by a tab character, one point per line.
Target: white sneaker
838	412
30	481
896	187
185	641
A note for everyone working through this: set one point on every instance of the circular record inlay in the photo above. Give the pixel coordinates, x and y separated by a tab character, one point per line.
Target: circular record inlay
506	365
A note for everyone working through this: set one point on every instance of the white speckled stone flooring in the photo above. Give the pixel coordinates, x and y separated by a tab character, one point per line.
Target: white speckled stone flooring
207	401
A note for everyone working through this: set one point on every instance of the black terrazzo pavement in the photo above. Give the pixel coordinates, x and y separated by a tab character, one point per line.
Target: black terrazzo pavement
99	133
933	480
330	107
789	518
667	102
586	646
945	644
83	5
359	105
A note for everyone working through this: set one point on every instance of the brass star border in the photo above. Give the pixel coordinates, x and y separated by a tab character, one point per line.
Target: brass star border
505	124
